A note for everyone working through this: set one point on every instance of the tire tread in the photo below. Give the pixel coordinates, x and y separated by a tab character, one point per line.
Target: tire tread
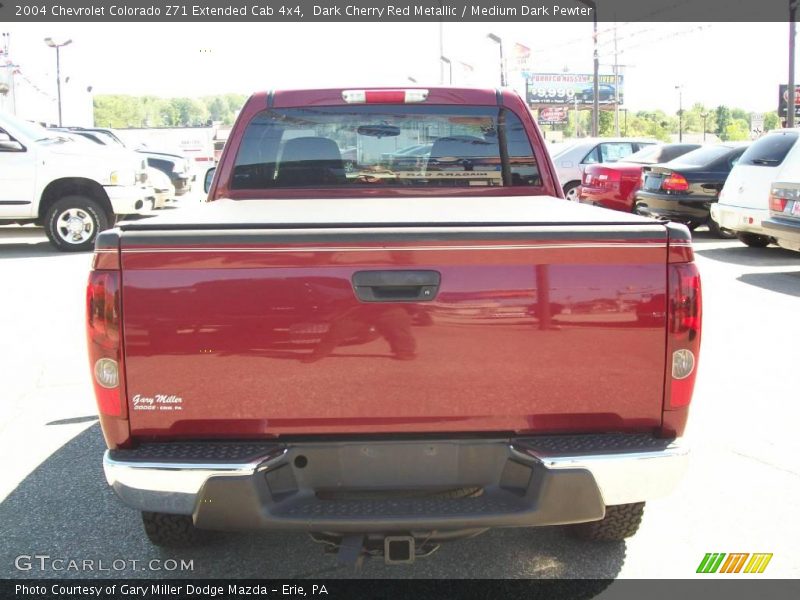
621	521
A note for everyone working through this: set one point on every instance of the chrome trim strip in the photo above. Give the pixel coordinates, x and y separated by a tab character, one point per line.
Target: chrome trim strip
625	477
173	487
381	248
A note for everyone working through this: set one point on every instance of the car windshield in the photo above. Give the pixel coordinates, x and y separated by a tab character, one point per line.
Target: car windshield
336	146
701	157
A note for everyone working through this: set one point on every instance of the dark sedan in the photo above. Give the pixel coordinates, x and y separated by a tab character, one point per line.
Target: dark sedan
684	189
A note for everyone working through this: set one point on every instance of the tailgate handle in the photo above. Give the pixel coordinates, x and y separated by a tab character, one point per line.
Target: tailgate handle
396	286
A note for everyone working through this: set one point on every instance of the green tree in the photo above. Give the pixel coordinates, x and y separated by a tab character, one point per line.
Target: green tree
218	109
723	118
771	121
606	123
737	130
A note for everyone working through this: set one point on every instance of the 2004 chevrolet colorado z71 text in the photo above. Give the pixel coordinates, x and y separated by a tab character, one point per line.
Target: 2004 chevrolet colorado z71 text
398	355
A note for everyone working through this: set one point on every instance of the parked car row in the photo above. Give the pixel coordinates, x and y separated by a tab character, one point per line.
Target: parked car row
750	191
76	183
176	167
571	159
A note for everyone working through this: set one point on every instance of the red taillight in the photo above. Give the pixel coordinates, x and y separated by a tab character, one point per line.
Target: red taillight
683	332
675	182
103	328
601	176
777	204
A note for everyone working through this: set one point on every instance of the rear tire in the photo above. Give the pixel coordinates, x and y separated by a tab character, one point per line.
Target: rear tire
754	240
621	521
73	222
718	231
571	191
173	531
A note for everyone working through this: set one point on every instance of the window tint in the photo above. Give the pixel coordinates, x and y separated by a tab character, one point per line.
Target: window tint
672	152
647	155
701	157
770	150
384	145
734	158
593	156
614	151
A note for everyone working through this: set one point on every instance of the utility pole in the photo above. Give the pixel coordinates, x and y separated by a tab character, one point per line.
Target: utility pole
441	43
616	82
704	115
596	91
441	51
790	97
592	4
680	112
498	40
10	92
444	59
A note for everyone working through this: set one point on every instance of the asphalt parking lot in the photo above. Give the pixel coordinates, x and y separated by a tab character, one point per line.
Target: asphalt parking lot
740	494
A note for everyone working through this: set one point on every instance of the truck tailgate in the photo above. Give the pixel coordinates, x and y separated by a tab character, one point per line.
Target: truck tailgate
253	329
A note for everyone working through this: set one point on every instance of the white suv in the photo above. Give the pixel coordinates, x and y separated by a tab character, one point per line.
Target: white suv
74	190
744	200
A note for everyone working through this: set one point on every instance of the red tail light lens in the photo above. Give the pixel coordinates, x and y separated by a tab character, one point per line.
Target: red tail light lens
675	182
777	204
103	323
683	331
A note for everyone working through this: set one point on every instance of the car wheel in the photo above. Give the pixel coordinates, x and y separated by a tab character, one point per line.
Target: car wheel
753	240
571	191
621	521
173	531
73	222
718	231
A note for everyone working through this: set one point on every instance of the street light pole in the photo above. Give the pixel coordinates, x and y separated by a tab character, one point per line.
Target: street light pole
704	115
680	112
52	44
499	41
596	91
444	59
790	98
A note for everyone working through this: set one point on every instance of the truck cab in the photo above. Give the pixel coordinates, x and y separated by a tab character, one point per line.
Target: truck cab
72	189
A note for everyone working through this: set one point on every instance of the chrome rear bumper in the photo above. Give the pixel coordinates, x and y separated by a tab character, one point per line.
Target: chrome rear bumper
523	481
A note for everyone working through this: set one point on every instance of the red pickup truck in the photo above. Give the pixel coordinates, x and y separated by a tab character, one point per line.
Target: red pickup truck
392	357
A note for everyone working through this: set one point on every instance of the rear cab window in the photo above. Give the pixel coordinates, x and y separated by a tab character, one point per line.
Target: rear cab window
385	146
770	150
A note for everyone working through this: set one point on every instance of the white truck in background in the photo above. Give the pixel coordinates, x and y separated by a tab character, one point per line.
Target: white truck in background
73	190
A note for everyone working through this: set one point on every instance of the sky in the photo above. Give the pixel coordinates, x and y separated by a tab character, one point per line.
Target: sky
736	64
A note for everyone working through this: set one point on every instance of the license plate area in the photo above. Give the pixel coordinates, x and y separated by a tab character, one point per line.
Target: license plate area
652	182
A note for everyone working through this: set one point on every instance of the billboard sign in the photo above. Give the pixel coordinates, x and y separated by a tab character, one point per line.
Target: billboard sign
568	88
783	96
553	115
